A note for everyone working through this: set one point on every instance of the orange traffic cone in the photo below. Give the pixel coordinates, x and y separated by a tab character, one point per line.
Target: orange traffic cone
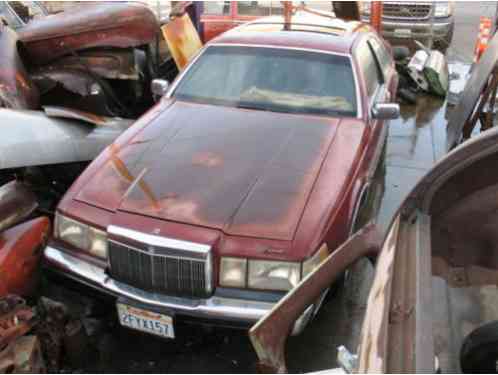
483	38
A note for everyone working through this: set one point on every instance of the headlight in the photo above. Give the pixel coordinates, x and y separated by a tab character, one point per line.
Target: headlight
97	243
233	272
365	7
313	262
81	236
271	275
443	9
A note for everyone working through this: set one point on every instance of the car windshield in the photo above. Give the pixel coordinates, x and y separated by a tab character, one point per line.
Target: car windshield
272	79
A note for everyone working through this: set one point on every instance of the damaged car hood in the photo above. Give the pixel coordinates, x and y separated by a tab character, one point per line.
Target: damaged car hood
241	171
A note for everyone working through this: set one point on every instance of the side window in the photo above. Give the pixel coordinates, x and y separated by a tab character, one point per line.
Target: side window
383	56
217	8
368	64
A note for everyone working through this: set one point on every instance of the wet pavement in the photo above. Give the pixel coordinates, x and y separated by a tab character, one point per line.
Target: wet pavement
415	142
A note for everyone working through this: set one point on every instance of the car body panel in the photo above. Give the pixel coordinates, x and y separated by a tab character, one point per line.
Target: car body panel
21	248
16	87
119	25
223	177
32	138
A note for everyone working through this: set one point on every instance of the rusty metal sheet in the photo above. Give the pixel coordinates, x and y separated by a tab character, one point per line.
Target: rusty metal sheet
20	254
182	39
31	138
73	80
111	64
69	113
16	88
109	24
269	335
471	95
16	204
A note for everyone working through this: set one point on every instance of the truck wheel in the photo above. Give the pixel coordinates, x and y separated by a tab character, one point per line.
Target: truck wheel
479	352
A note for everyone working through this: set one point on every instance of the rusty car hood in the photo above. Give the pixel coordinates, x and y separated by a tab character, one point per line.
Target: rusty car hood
245	172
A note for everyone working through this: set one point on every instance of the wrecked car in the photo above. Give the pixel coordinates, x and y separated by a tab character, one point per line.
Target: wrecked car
99	58
70	83
248	172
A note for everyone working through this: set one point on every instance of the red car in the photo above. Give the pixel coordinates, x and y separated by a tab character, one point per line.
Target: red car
239	182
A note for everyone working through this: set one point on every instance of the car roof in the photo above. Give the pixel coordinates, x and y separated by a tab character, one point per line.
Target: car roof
307	31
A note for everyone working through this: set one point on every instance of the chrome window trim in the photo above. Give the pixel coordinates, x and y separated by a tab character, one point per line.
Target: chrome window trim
153	240
359	103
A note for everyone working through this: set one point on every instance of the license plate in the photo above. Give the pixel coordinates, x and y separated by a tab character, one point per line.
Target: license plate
403	33
146	321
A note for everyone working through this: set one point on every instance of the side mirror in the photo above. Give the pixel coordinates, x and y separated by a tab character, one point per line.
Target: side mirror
385	111
159	88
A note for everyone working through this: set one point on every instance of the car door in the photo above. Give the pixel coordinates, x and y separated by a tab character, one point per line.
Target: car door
218	17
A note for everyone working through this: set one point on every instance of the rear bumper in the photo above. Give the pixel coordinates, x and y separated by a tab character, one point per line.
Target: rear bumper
215	309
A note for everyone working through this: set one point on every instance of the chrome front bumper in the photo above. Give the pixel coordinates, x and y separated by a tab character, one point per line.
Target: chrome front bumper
219	308
419	29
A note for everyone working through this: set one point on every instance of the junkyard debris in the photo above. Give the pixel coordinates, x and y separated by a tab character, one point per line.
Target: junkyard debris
269	335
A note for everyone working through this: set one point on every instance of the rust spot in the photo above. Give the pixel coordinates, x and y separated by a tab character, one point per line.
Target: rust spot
182	39
207	159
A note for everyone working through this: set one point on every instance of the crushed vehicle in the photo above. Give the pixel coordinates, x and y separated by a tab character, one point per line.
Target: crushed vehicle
404	21
432	305
82	58
70	83
230	191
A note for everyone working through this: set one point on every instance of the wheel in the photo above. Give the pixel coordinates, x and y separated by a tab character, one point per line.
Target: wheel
479	353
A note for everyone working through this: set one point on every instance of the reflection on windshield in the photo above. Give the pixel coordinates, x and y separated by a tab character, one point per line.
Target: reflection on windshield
271	79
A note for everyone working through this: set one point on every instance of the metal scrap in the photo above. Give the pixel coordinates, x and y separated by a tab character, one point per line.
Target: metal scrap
269	335
16	204
69	113
182	38
474	97
23	356
16	319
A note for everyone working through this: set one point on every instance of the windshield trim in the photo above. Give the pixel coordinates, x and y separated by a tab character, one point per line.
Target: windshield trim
359	103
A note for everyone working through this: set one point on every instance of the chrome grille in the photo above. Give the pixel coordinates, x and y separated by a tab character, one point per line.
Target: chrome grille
160	273
413	11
